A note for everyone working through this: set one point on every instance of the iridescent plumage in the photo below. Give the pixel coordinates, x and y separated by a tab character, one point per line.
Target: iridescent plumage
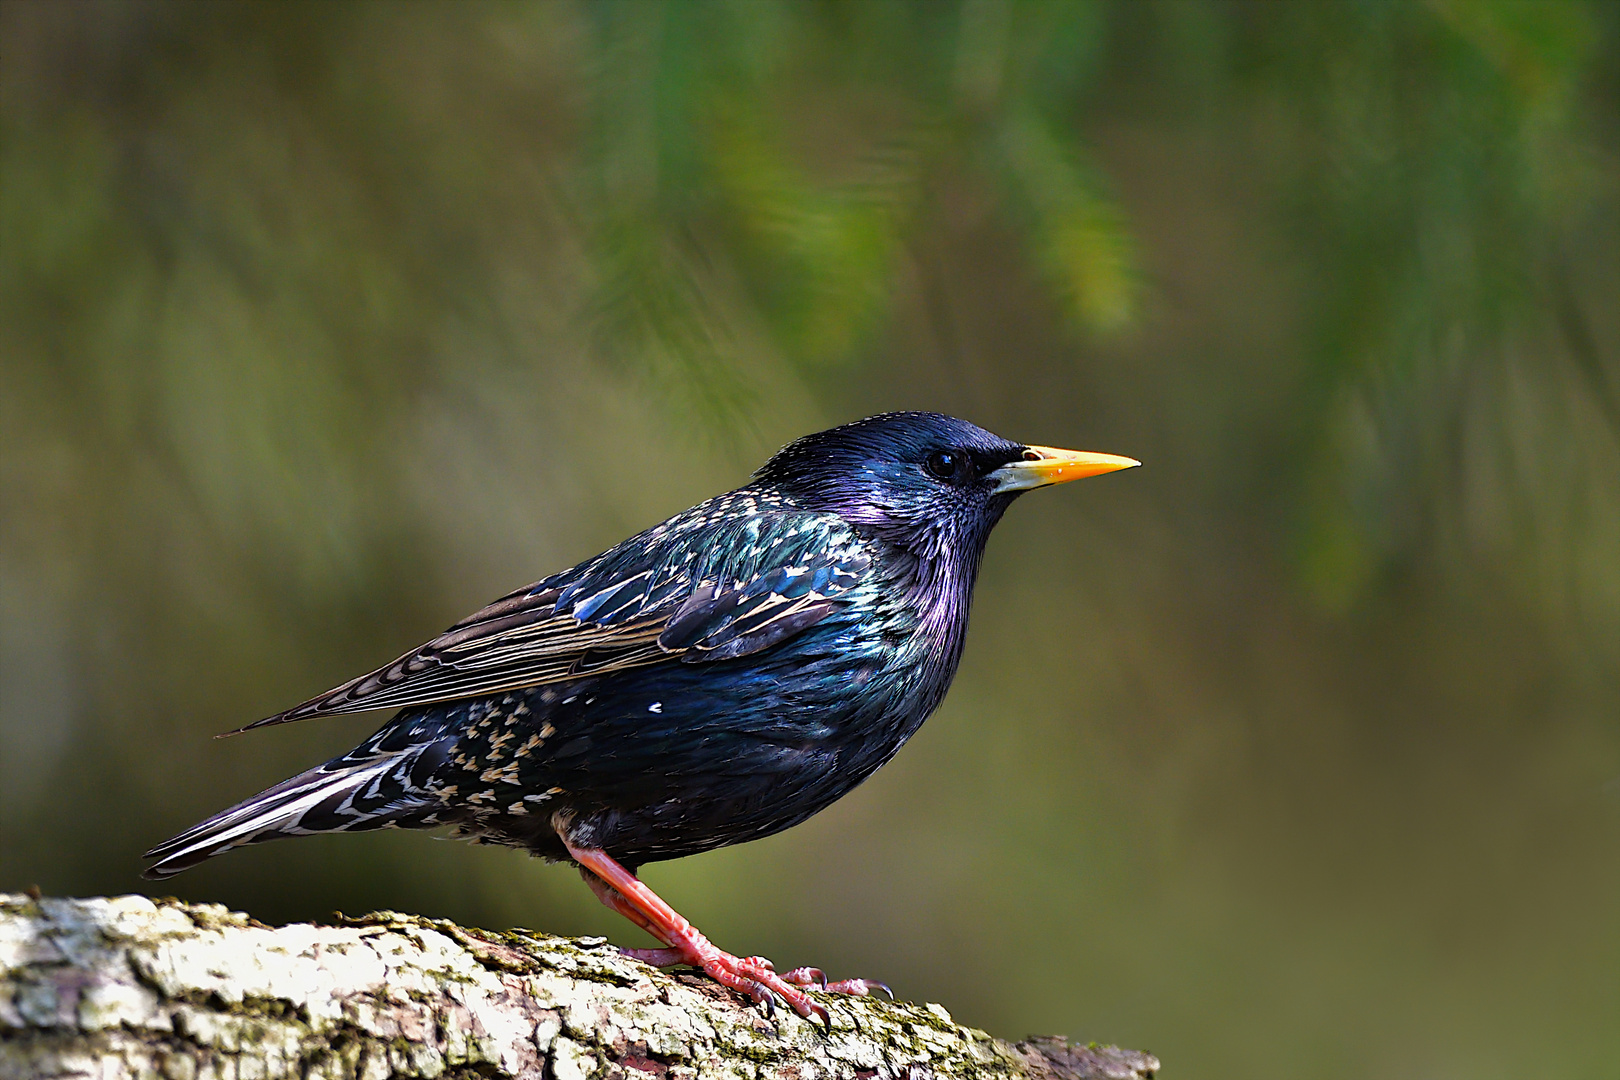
715	679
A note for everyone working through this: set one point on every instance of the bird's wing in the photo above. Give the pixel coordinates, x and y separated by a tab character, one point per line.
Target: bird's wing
715	625
654	598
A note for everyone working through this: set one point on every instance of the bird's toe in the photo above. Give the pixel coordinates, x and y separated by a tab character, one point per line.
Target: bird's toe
757	977
814	976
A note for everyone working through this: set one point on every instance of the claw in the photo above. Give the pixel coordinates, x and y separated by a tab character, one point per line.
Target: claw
859	987
807	976
759	982
810	976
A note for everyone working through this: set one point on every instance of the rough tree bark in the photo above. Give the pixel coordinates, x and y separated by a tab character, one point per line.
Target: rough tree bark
126	986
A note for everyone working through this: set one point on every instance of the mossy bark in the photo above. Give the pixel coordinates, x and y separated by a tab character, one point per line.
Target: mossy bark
129	987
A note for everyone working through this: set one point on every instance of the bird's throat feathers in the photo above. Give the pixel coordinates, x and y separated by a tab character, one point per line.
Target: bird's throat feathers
933	568
942	585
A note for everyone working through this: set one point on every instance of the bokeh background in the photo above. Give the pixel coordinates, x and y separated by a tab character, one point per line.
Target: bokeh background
1294	754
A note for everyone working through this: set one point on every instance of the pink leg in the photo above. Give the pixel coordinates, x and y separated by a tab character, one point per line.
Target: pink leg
609	896
625	893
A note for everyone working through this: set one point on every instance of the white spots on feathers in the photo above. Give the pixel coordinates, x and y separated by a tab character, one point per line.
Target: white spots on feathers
497	743
656	707
506	774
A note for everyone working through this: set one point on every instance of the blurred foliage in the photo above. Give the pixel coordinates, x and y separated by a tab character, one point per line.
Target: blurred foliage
744	183
320	323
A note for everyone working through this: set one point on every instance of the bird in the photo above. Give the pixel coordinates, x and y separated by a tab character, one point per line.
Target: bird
715	679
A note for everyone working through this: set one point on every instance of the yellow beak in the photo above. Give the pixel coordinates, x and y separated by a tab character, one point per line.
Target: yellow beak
1043	465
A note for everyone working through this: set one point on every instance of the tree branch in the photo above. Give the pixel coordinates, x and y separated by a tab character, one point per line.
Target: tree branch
125	986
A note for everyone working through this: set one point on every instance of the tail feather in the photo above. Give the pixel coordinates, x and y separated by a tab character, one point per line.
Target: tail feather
344	795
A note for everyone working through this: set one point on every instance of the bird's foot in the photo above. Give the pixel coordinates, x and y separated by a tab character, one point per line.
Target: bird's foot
751	975
810	976
755	976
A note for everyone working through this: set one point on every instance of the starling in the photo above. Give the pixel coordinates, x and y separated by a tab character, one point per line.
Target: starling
718	678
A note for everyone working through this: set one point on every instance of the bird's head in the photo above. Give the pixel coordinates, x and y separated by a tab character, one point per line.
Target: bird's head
931	483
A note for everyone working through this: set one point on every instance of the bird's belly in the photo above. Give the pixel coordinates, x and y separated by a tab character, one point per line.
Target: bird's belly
710	814
675	762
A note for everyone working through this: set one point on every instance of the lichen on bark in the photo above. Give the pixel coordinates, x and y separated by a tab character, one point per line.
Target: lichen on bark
130	987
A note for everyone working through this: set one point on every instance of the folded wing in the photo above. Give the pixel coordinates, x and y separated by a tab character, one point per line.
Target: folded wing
653	599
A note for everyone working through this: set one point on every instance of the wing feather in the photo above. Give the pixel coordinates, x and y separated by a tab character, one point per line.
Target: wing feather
617	612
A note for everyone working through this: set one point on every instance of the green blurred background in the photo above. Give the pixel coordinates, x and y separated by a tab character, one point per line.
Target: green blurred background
1296	753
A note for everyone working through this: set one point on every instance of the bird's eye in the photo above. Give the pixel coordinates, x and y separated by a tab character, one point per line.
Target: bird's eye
945	464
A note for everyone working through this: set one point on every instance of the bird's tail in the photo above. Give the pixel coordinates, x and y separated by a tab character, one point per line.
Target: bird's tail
344	795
